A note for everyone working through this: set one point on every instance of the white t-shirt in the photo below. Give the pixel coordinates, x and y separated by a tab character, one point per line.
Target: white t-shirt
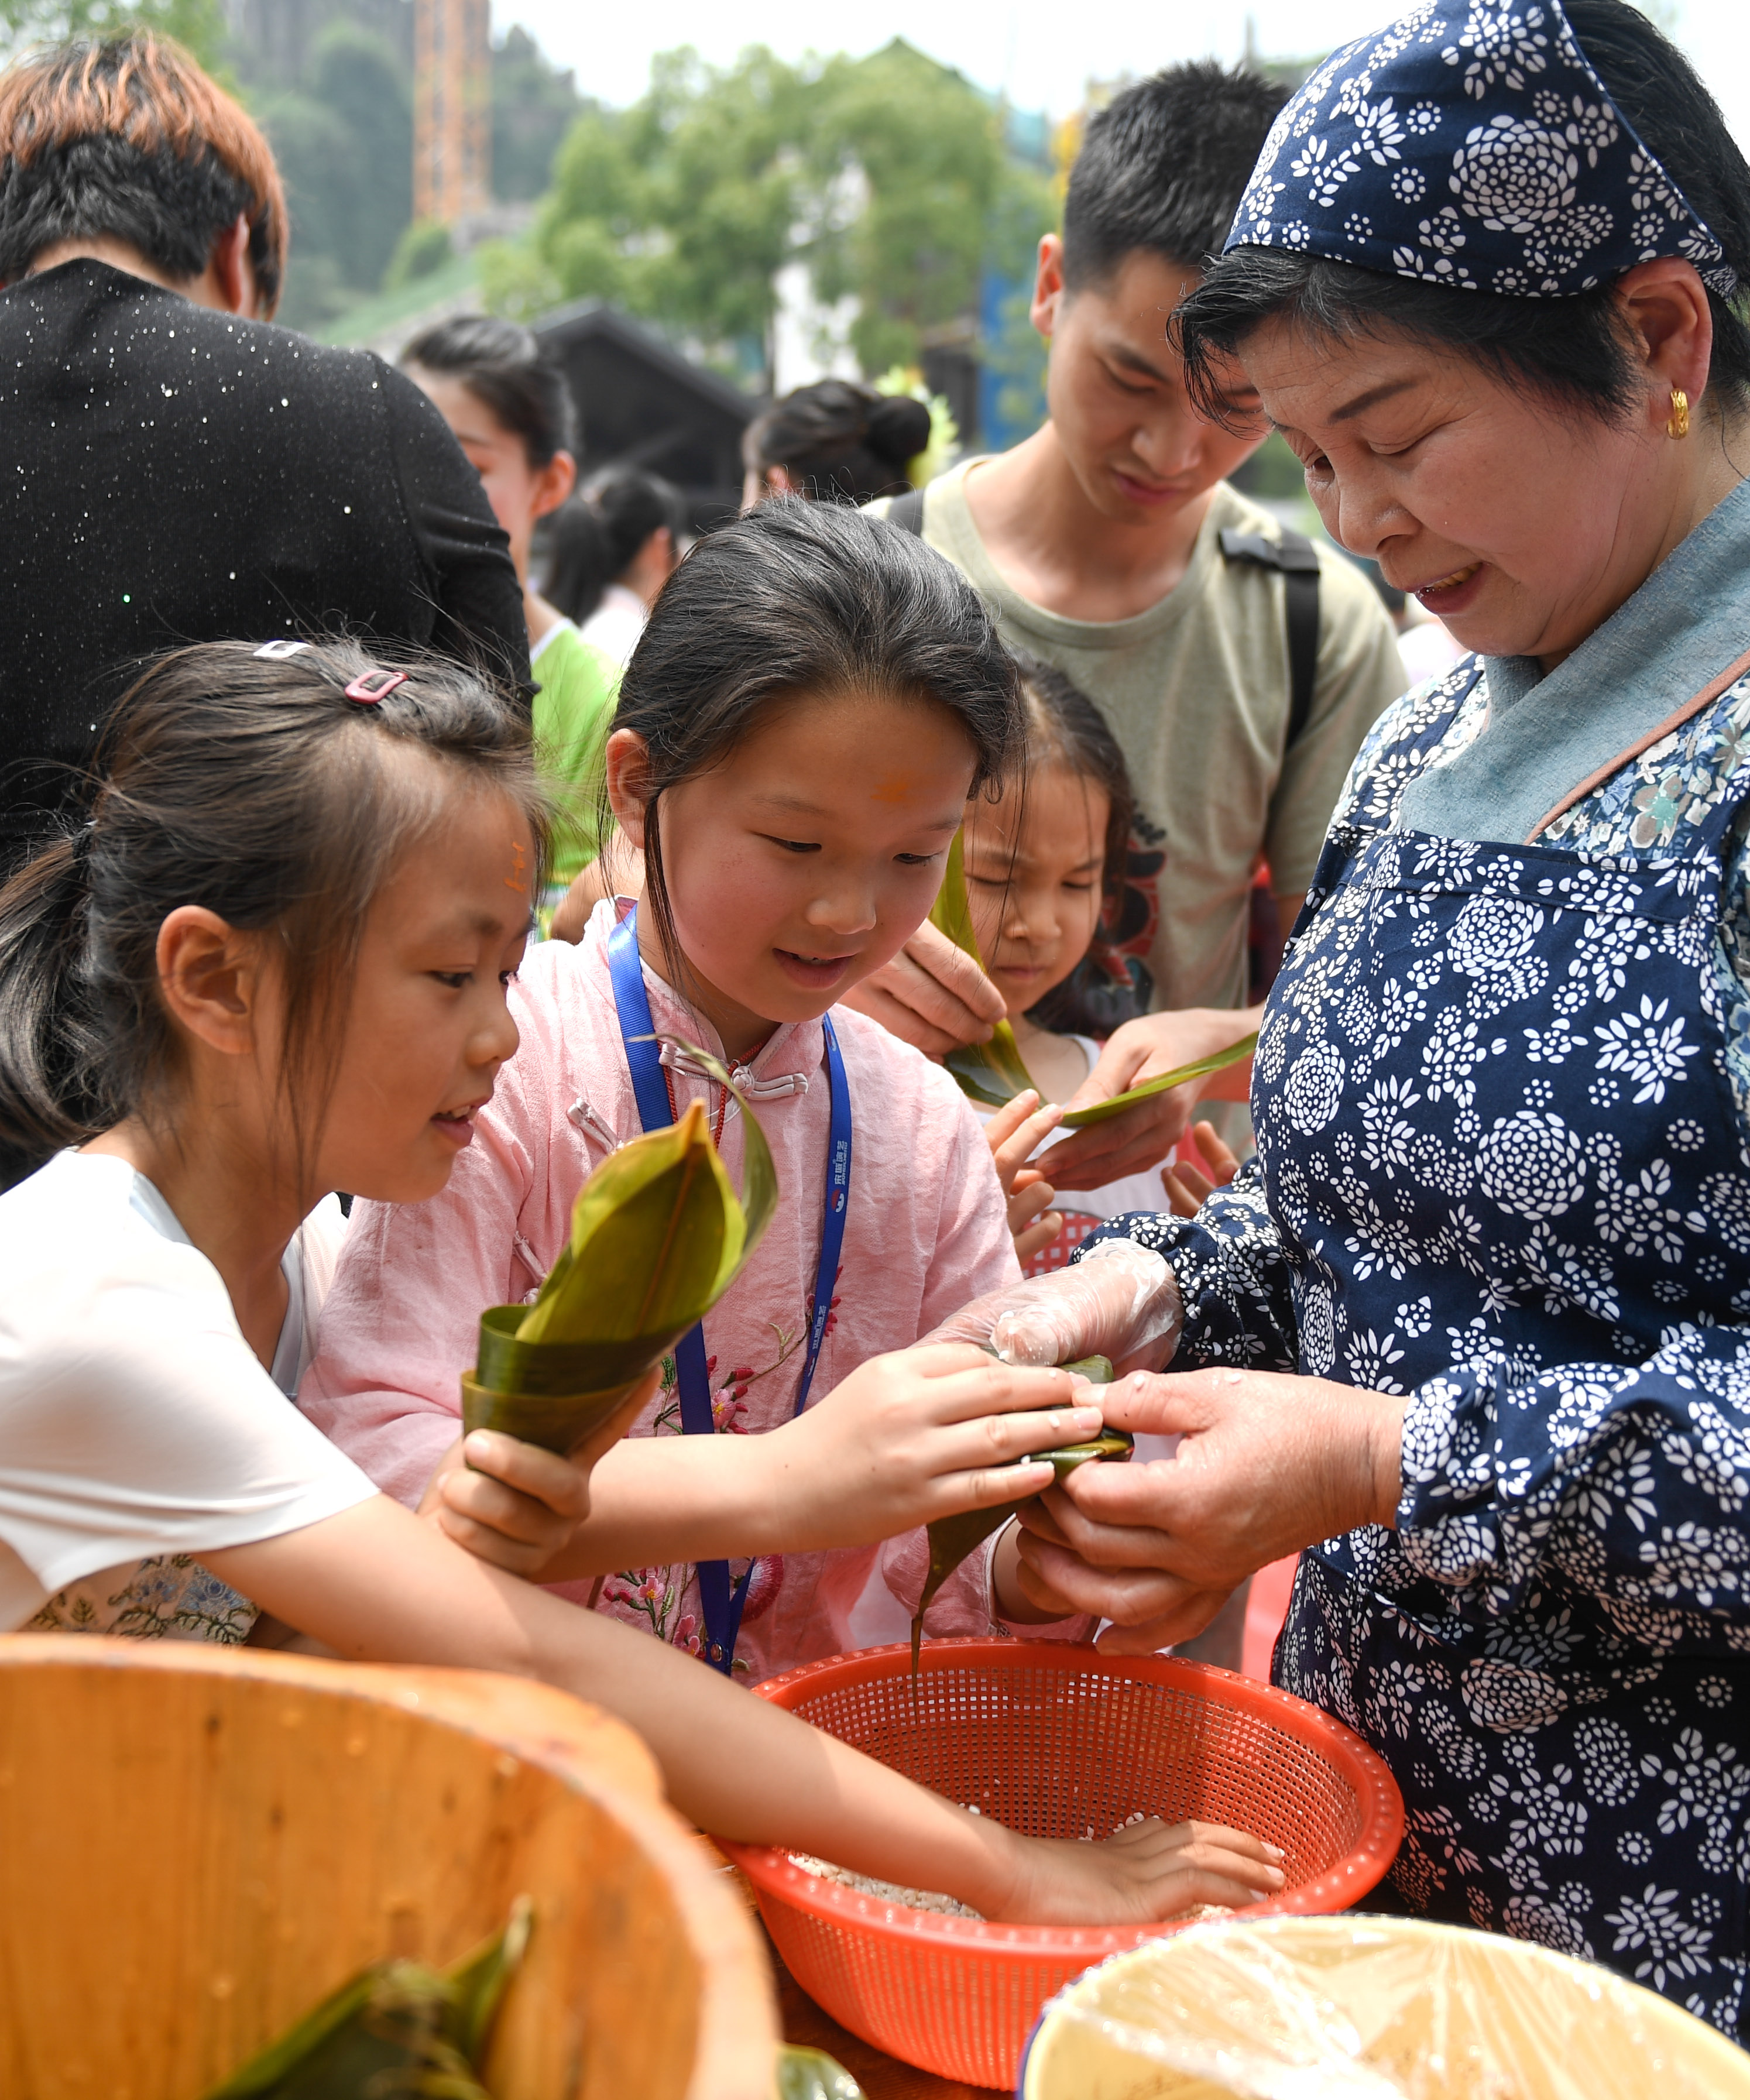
138	1428
617	622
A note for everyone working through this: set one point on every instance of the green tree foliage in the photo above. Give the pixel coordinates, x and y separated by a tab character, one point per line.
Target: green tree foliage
683	209
534	105
929	149
887	176
343	140
199	24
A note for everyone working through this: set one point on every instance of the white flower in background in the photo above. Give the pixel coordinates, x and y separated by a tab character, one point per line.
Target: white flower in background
1647	1047
1387	1132
1380	132
1532	1165
1575	235
1546	1925
1726	1197
1367	1356
1314	1091
1451	1053
1514	175
1673	1947
1500	43
1493	933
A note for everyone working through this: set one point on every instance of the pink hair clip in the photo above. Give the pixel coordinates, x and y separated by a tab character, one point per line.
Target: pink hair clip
371	686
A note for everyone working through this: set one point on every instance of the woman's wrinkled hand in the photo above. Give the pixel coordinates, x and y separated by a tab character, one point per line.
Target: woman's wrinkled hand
1267	1464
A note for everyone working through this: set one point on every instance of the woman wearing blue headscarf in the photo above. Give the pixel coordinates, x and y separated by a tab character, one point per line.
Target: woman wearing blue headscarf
1473	1328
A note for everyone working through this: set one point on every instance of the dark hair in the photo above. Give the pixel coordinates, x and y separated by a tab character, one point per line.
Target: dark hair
1570	349
591	541
1065	728
253	787
127	138
839	441
507	371
1163	166
798	599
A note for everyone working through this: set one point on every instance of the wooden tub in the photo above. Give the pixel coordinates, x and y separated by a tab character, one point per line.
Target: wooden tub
198	1844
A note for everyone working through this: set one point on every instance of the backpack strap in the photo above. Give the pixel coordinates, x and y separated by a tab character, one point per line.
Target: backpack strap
906	512
1293	557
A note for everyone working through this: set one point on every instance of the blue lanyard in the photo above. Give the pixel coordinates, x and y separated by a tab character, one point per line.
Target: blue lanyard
722	1600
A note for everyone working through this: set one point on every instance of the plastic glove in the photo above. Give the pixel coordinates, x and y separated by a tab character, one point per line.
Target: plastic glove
1120	1301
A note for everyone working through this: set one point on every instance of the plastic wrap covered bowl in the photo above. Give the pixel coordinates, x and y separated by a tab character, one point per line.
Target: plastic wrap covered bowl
1061	1742
1368	2008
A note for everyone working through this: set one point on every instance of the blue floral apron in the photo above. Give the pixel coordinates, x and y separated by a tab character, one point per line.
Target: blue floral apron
1502	1167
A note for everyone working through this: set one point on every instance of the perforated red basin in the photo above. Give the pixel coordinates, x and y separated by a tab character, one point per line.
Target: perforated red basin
1056	1740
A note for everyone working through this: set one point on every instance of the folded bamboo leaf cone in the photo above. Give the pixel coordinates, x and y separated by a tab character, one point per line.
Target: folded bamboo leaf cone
657	1235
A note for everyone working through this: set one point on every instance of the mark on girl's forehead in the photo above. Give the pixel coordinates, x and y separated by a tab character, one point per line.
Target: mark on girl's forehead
894	788
518	878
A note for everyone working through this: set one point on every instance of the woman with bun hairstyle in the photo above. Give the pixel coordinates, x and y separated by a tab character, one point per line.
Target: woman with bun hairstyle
835	441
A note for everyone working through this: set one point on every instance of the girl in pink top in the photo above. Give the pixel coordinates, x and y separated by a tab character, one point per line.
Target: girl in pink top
815	699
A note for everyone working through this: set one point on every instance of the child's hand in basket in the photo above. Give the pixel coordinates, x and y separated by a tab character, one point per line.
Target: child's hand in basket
1145	1872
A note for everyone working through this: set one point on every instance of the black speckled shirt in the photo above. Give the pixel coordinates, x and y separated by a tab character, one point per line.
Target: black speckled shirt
171	474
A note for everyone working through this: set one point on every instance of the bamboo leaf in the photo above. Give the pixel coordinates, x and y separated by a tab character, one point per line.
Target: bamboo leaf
952	1538
657	1235
993	1072
397	2027
1098	1111
810	2074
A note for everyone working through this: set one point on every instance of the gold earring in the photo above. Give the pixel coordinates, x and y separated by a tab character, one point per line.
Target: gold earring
1677	424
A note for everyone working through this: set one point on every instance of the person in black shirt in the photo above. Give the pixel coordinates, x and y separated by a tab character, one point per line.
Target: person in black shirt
172	468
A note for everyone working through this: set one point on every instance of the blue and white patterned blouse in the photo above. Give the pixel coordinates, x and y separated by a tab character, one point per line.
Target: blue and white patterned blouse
1502	1099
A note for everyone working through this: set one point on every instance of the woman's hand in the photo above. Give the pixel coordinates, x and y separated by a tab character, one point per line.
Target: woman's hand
1015	1133
1143	1135
1118	1301
910	1437
1267	1465
1144	1872
1188	1190
513	1503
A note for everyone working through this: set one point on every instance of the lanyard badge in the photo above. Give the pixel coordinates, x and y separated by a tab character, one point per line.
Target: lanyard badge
721	1600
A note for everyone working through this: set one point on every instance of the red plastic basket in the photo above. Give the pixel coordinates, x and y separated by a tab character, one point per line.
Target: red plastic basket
1056	1740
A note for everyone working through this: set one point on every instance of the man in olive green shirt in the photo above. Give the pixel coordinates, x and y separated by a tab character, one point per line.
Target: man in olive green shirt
1097	540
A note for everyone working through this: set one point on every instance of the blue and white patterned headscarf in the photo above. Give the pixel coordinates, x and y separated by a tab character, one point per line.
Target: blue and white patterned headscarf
1471	144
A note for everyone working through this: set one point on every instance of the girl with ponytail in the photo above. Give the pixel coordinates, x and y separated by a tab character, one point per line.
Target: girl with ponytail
272	964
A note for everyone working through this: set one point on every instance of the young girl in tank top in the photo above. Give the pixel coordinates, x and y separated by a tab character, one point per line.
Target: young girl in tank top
816	701
272	963
1042	867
